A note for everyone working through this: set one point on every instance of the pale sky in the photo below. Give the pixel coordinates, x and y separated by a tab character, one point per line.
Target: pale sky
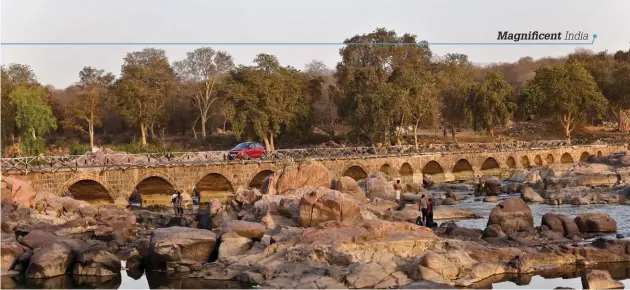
288	21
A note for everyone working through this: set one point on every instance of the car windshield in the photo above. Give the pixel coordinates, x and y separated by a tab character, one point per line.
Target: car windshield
241	146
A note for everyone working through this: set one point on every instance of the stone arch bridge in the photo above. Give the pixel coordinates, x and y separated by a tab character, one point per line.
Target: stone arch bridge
114	178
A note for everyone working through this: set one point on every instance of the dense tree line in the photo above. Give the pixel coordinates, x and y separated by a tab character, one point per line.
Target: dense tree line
375	90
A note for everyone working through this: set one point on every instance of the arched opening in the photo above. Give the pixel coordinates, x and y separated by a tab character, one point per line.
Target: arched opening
463	170
258	179
491	167
525	162
90	191
584	157
550	159
599	154
566	158
406	173
511	163
434	170
155	190
387	169
538	160
215	185
356	172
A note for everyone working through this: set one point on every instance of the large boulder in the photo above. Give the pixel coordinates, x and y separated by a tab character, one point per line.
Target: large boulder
349	186
10	252
379	185
322	205
596	223
233	244
39	238
177	244
529	195
94	260
512	215
562	224
18	190
50	260
293	177
245	229
600	279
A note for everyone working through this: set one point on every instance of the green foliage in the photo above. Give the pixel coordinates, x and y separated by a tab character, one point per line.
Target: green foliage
33	117
77	148
455	75
568	93
12	76
489	103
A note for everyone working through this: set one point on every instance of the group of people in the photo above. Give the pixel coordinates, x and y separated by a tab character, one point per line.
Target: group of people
426	207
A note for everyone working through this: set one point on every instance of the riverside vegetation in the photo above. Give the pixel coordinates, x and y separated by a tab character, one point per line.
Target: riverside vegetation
305	228
156	105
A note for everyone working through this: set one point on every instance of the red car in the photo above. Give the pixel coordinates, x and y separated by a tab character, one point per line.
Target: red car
246	151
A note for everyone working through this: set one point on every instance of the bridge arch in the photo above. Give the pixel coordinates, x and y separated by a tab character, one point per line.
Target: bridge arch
90	188
599	154
257	180
490	166
550	159
525	162
566	158
406	173
462	170
214	185
434	169
538	160
387	169
510	162
155	190
356	172
584	156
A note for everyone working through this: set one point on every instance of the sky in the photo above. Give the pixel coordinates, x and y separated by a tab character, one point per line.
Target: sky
288	21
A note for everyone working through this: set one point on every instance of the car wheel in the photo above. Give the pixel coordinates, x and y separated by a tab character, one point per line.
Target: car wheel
245	156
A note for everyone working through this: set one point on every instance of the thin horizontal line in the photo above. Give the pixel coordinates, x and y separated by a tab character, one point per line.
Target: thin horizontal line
288	43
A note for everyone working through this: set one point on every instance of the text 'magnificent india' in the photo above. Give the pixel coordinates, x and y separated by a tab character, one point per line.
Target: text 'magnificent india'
539	36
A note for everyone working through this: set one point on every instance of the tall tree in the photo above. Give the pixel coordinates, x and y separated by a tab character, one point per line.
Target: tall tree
12	76
86	110
145	88
489	103
198	75
619	92
264	98
566	92
367	78
455	74
33	117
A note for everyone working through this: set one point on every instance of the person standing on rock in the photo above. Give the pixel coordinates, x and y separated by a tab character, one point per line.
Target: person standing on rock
174	201
423	209
179	201
397	188
430	207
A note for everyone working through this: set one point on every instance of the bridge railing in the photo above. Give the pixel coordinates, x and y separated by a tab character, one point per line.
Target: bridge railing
107	161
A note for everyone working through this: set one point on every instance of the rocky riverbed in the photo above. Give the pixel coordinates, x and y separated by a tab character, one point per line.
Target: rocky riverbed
307	229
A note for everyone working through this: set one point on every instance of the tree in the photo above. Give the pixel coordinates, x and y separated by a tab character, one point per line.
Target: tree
145	89
372	81
566	92
489	103
198	74
12	76
86	110
318	68
619	92
33	117
455	76
262	99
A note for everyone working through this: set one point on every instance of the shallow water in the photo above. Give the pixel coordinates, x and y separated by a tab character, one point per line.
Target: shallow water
621	213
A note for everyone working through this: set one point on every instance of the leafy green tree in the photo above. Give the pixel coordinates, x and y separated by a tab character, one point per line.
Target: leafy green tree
374	82
198	75
618	93
12	75
489	103
86	109
33	117
455	75
566	92
145	89
262	99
